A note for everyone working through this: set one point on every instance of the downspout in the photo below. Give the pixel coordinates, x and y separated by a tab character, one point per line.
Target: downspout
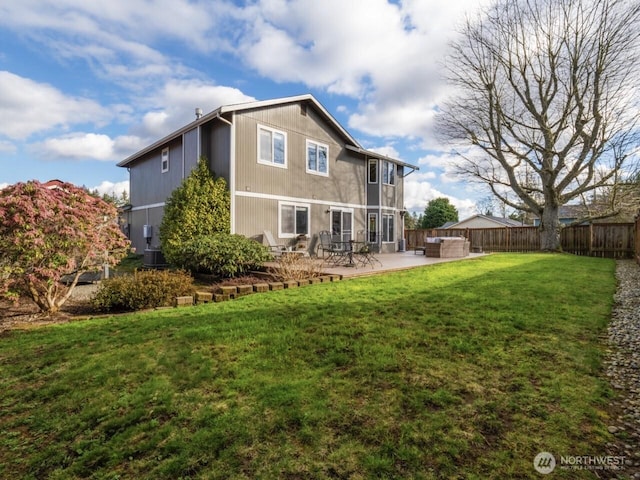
366	198
222	119
232	168
400	234
183	161
199	146
380	181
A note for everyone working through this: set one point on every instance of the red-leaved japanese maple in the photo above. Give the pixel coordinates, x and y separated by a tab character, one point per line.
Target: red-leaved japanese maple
47	232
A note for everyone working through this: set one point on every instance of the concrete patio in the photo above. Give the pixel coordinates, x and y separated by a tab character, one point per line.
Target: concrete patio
392	262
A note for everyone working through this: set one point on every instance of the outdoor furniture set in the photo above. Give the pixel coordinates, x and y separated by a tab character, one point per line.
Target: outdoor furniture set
350	253
445	247
278	249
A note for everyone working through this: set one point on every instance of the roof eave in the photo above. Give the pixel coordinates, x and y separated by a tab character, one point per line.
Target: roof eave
380	156
172	136
239	107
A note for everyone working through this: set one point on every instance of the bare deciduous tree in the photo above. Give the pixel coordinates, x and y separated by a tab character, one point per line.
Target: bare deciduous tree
547	102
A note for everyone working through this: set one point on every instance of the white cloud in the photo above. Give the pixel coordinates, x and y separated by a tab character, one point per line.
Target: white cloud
89	146
418	193
36	107
7	147
3	185
387	150
111	188
175	102
125	145
80	146
386	55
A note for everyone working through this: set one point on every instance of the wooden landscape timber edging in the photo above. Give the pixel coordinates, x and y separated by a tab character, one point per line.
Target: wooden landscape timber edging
610	240
235	291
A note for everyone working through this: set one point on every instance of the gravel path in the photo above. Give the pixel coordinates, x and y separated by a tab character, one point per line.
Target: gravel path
623	368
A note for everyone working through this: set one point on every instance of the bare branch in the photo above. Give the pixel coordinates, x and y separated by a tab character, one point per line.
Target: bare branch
547	99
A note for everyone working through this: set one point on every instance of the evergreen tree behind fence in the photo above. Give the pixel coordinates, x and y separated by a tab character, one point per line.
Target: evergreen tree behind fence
610	240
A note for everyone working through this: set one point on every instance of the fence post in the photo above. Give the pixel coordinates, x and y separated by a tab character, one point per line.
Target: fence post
636	239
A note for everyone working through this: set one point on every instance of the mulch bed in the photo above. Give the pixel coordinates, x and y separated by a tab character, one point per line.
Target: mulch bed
25	314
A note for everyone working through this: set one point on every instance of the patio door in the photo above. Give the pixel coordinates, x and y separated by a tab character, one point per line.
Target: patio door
341	224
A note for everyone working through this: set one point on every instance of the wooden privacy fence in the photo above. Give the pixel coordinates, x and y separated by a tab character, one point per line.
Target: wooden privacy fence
637	239
611	240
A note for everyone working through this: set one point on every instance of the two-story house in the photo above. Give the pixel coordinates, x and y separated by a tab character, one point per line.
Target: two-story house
291	168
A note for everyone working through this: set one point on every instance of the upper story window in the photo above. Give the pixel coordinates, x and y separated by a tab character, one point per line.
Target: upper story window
373	171
388	173
272	147
164	160
317	158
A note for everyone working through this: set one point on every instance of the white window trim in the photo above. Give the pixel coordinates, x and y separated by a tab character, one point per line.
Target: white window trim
162	162
266	162
384	232
373	215
317	144
385	169
282	234
375	161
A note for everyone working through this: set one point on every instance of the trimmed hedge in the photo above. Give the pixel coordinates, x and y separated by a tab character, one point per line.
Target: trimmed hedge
221	254
143	289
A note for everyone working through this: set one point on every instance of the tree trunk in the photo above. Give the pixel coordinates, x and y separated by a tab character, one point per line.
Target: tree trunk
550	229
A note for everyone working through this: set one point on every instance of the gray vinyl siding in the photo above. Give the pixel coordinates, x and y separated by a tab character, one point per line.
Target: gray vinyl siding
146	216
373	190
218	147
389	196
258	187
345	182
400	187
148	184
190	151
264	216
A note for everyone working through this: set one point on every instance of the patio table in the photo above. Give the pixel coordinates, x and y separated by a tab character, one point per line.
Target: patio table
355	253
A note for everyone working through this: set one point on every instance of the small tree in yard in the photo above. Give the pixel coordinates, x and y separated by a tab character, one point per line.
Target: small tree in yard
47	233
198	207
438	212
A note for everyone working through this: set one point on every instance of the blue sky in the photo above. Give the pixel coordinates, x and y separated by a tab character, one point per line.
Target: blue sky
84	84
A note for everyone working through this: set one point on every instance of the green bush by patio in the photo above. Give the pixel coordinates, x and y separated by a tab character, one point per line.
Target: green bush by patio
459	370
221	254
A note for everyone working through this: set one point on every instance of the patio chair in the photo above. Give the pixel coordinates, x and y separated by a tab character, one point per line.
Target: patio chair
329	245
276	249
365	250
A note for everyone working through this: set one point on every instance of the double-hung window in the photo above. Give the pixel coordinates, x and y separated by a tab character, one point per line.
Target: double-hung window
373	171
272	147
387	228
164	160
294	219
317	158
388	173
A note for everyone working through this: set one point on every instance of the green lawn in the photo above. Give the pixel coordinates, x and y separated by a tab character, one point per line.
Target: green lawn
459	370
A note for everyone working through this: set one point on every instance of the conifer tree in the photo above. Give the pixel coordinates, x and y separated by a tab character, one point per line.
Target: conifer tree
200	206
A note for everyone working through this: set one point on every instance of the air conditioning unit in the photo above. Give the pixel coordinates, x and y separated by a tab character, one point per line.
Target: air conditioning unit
153	258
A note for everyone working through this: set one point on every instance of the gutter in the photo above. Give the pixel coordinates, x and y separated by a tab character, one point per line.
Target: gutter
379	156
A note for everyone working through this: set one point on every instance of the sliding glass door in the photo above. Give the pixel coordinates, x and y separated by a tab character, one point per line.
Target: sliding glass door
342	224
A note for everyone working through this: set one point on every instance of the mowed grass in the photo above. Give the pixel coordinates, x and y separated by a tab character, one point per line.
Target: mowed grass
459	370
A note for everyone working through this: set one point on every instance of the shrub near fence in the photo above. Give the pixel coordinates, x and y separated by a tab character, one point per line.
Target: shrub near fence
611	240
